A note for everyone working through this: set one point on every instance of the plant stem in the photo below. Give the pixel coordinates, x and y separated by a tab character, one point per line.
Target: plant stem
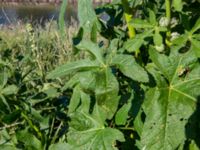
128	16
168	15
56	134
126	128
168	9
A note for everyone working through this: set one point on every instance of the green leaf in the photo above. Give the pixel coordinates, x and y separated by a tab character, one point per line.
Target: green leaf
87	80
122	114
193	146
3	79
92	48
86	14
152	17
106	92
196	26
138	23
169	105
8	147
61	146
129	67
29	140
131	45
178	5
75	99
71	67
158	41
10	118
87	131
165	65
157	38
7	141
9	90
196	47
62	17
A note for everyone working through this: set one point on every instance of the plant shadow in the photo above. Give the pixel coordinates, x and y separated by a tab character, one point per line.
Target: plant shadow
192	128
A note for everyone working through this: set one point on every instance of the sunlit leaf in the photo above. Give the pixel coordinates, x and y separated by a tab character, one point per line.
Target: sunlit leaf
87	131
129	67
169	105
72	67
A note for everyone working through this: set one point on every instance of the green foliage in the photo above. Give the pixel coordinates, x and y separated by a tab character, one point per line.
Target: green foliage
129	92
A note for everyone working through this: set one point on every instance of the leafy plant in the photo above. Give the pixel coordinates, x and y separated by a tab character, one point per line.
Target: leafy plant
142	89
138	86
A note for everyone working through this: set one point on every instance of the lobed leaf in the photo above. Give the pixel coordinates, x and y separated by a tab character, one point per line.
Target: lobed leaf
87	131
169	105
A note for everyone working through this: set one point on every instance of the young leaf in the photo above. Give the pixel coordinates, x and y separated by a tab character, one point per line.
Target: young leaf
129	67
92	48
75	99
152	17
122	114
72	67
178	5
196	26
86	14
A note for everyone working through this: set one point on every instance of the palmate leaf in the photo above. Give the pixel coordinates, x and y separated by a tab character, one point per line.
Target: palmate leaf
169	105
87	132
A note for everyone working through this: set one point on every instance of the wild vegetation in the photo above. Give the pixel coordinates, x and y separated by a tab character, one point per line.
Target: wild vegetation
138	88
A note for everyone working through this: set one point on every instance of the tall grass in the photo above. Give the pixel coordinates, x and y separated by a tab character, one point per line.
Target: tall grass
44	44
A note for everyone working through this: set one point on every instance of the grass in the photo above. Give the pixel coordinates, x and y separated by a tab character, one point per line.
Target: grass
27	99
43	44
